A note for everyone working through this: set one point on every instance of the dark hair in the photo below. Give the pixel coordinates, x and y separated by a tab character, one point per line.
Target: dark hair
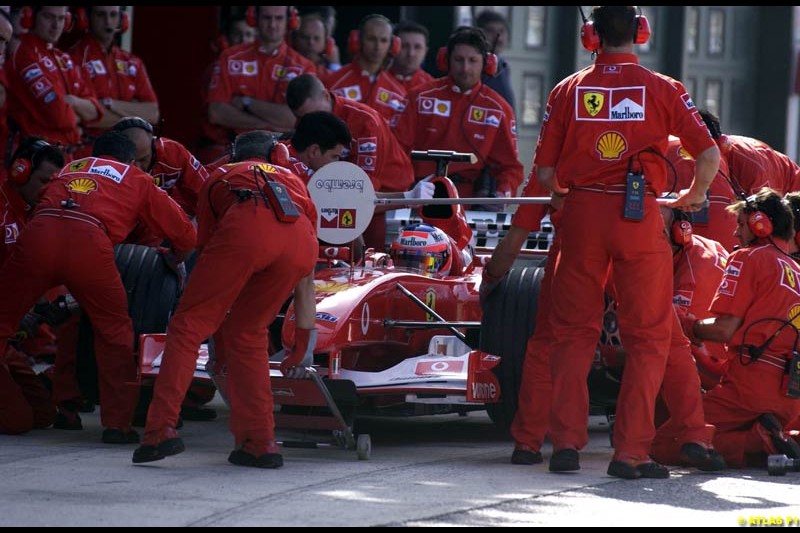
468	35
300	89
256	144
409	26
114	144
487	16
772	204
322	128
793	199
38	151
712	123
616	25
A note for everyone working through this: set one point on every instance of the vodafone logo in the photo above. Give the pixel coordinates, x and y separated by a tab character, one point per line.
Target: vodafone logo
439	367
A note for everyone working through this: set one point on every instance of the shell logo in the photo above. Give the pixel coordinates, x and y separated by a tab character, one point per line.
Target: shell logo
82	185
78	165
441	108
794	316
684	154
611	145
264	167
352	94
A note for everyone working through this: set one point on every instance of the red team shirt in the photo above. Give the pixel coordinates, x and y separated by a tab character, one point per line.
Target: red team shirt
216	200
374	147
247	70
118	195
441	117
747	292
39	76
753	164
179	173
382	92
591	131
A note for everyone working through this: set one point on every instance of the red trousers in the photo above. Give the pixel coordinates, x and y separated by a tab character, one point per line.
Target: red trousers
532	420
594	236
59	251
24	401
243	276
681	394
733	406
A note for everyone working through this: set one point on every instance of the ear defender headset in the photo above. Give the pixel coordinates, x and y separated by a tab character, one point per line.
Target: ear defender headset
681	229
82	22
590	38
758	222
292	18
278	154
142	124
27	18
22	167
489	61
354	37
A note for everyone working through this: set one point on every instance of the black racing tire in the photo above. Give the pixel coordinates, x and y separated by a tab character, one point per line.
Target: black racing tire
509	319
152	290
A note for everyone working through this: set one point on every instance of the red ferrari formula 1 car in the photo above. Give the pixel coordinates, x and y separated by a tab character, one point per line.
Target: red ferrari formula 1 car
400	341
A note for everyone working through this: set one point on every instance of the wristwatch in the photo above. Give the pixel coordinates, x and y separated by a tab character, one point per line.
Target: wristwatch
246	103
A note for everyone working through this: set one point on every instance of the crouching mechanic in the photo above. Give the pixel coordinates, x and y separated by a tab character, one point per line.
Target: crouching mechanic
755	310
257	238
91	205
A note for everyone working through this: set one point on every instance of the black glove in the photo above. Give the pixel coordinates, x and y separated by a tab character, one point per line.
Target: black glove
58	311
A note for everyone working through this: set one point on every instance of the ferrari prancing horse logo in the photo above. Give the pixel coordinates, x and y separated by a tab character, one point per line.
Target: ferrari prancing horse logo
593	102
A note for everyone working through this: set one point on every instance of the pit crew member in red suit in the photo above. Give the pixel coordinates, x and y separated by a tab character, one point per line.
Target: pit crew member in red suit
754	313
460	113
407	66
24	400
794	249
601	125
248	89
91	205
119	79
172	166
249	264
366	79
374	147
698	265
6	33
753	164
48	95
312	40
714	223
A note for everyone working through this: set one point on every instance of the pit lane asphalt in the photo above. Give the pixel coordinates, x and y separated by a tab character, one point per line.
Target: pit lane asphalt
424	471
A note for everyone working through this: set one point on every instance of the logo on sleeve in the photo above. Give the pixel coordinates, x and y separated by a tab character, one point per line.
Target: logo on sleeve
40	87
682	298
31	73
687	101
367	145
734	269
727	287
611	145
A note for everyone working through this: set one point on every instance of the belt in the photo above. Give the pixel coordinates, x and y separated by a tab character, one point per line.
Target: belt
71	214
606	188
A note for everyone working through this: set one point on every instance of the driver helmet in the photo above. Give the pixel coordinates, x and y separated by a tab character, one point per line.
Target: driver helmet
422	248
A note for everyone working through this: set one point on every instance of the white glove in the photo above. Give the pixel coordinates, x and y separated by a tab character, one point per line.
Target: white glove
423	190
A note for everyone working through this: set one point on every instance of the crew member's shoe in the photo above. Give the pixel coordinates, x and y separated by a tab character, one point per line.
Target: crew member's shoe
629	470
525	455
120	436
701	457
169	444
565	460
69	420
272	458
783	443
